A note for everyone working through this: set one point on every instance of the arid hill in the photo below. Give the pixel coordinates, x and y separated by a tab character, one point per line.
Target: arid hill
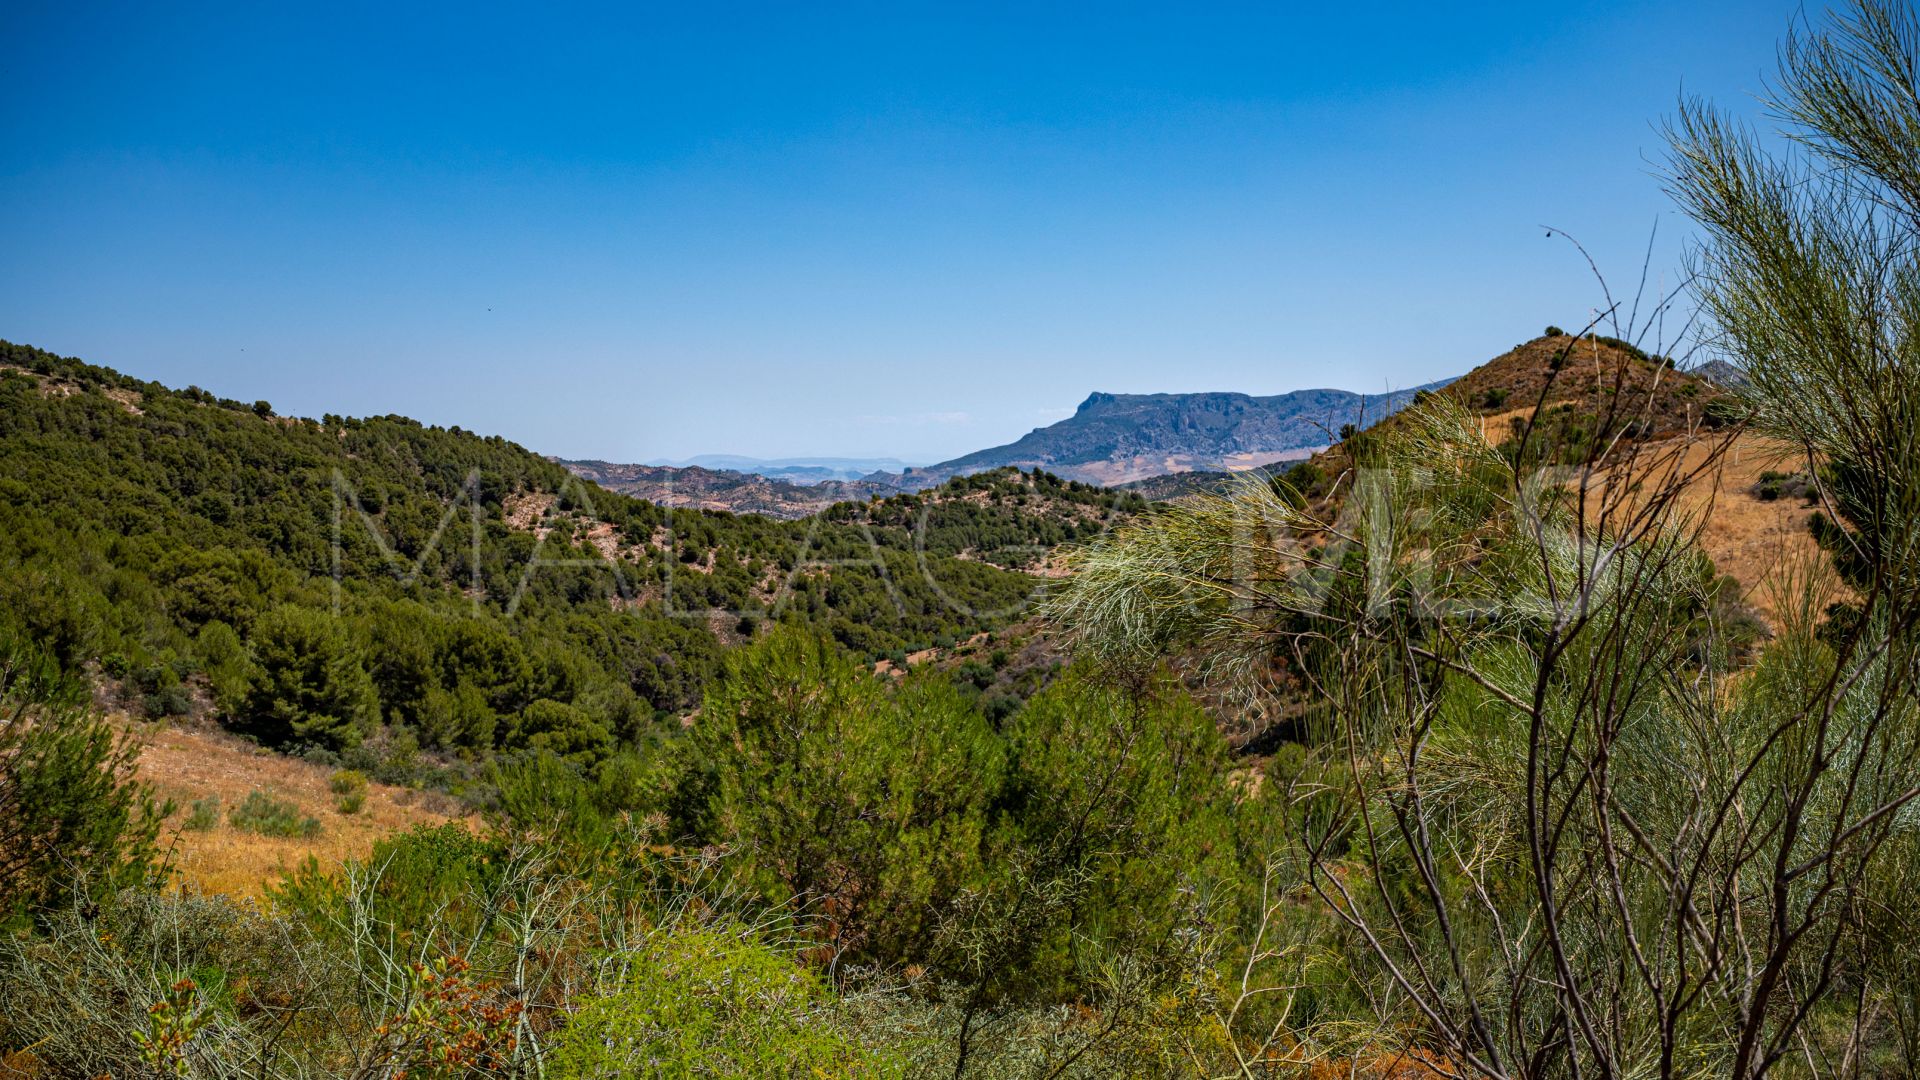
1579	387
1576	390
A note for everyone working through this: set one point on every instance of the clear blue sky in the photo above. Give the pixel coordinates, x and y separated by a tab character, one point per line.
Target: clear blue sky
653	232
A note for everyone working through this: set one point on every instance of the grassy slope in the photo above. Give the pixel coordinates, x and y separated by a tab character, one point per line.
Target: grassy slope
191	762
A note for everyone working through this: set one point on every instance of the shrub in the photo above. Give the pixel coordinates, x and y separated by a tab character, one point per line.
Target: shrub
1301	481
568	731
72	816
91	990
262	813
225	661
1554	331
1720	412
167	701
349	787
1496	397
976	674
713	1002
874	801
454	1025
1775	485
314	754
1623	345
399	763
999	705
428	880
203	815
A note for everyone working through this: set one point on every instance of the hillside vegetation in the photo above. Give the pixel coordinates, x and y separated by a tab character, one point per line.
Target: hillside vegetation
319	583
1544	804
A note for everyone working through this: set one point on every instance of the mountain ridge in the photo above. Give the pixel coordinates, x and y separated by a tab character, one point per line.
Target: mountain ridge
798	470
1119	438
736	491
1110	440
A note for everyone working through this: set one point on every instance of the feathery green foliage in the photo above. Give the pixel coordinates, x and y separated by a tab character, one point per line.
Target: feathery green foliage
73	820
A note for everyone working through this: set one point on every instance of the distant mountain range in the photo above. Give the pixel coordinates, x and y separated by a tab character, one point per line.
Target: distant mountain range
799	470
734	490
1722	374
1111	439
1118	438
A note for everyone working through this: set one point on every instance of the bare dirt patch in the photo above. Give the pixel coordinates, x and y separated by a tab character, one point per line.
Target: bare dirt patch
527	511
130	400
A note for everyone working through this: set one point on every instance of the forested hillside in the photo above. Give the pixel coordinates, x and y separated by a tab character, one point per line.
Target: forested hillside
1003	516
195	548
1002	492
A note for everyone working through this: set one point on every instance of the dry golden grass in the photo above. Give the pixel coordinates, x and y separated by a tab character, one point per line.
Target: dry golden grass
186	763
1749	539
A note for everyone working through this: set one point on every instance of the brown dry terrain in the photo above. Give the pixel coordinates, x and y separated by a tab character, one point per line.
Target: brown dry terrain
185	763
1594	378
1592	372
1747	537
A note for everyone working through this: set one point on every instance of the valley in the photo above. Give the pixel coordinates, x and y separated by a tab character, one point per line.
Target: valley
390	689
345	644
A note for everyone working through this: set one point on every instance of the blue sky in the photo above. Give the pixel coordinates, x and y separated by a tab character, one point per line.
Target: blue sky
638	232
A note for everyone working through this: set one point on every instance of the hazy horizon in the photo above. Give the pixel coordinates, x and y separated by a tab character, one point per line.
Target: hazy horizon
805	235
